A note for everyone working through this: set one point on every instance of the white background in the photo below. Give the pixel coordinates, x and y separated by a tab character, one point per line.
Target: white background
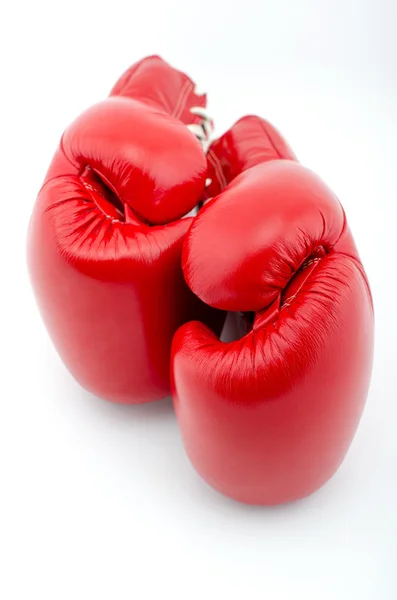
99	501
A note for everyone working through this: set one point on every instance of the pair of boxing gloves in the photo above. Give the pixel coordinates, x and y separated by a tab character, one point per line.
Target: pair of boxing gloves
134	293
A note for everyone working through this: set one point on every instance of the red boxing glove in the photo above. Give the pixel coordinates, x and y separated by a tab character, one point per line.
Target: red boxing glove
269	417
105	238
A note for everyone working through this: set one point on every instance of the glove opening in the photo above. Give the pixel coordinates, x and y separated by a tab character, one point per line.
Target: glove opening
102	193
239	324
301	275
106	198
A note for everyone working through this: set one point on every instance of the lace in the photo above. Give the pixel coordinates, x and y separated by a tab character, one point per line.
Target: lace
203	130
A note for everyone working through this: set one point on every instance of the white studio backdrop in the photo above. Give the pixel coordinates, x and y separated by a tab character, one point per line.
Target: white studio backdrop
99	501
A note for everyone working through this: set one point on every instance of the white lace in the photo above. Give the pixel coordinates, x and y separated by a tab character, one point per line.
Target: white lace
202	131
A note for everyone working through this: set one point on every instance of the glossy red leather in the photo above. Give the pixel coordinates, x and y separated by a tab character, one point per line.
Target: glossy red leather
268	418
105	238
251	141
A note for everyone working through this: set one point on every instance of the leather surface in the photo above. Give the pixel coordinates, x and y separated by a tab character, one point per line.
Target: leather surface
251	141
105	238
268	417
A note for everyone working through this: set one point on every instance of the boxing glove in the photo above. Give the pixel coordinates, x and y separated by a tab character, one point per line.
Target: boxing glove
105	237
268	417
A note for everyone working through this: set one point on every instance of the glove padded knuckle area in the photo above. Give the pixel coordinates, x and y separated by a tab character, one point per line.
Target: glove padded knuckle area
153	163
247	244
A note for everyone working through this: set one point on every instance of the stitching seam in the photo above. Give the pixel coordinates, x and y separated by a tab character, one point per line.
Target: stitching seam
270	139
181	100
215	162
